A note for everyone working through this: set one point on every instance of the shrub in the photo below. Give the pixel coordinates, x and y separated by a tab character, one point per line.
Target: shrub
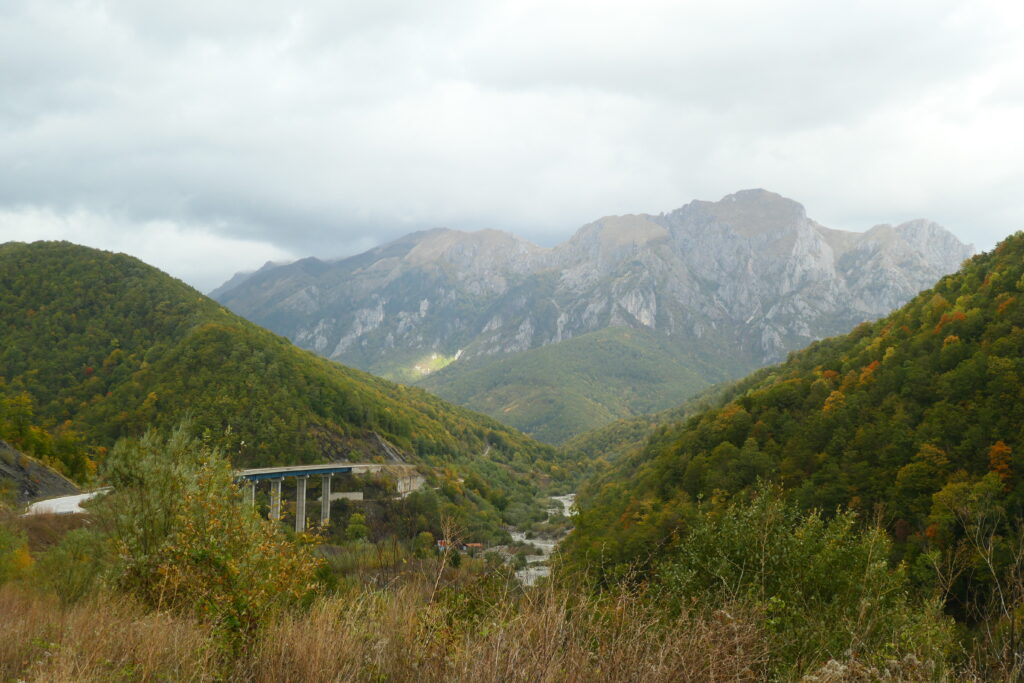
74	568
14	555
425	545
150	477
225	563
185	539
823	587
357	529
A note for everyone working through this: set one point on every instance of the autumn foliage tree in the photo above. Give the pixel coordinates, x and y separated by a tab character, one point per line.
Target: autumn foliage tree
186	540
999	461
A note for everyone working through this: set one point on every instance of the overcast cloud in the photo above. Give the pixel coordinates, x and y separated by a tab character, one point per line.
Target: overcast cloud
209	137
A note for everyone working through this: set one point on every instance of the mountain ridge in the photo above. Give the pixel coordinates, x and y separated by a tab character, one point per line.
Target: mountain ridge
486	262
744	280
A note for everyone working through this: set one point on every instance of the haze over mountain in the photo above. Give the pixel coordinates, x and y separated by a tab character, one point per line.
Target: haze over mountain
726	286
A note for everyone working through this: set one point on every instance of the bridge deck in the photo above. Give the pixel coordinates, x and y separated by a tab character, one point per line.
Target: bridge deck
260	473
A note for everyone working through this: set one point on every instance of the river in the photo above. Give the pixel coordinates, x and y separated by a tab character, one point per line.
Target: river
537	565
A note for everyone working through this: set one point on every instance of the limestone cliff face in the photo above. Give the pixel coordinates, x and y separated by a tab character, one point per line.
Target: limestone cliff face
743	280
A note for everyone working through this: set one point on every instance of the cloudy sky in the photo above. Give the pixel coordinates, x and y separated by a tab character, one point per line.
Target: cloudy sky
209	137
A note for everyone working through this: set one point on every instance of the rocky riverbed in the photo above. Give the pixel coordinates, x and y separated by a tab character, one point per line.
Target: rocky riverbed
537	566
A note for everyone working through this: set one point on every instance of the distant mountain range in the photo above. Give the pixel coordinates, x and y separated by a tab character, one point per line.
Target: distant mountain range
712	291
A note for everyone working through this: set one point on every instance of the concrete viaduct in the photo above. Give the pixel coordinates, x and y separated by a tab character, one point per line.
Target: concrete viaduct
406	475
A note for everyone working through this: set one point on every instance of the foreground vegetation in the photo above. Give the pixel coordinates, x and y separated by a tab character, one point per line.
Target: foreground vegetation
395	634
471	623
174	576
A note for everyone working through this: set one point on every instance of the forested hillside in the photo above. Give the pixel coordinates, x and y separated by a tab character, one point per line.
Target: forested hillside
916	418
557	391
605	445
96	346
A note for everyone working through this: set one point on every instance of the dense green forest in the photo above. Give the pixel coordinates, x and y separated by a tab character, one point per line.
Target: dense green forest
914	420
598	448
97	346
561	390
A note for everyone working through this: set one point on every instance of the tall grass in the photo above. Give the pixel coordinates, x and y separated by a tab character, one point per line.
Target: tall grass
549	635
482	628
107	637
396	634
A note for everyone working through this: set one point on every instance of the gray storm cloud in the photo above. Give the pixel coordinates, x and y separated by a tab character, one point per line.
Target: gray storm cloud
211	137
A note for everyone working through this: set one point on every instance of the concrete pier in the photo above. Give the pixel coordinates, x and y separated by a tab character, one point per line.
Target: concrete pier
325	499
300	504
406	477
275	499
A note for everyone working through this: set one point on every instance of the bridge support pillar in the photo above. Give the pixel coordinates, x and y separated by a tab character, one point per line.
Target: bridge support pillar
252	492
325	500
275	499
300	504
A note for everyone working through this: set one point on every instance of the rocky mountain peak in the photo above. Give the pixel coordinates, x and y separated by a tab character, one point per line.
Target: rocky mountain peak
747	213
745	278
631	229
935	242
471	254
921	241
605	242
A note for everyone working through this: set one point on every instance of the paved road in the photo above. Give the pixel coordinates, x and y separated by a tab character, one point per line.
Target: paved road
64	505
